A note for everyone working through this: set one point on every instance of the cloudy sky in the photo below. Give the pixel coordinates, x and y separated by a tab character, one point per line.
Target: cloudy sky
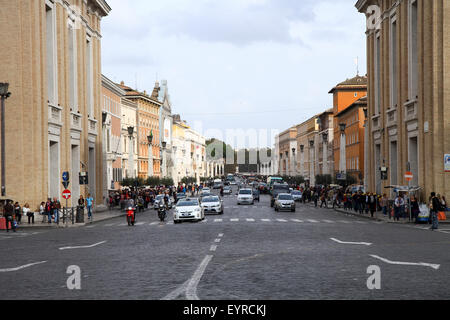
236	64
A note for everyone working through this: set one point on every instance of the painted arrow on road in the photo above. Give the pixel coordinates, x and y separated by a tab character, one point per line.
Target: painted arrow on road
358	243
422	264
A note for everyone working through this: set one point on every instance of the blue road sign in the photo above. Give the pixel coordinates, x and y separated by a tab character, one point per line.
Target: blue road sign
65	176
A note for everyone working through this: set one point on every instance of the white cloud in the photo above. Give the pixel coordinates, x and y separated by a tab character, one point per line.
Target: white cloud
236	56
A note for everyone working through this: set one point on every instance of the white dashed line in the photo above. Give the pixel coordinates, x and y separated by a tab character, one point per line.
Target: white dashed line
250	220
217	240
140	223
313	221
296	220
281	220
83	247
220	235
265	220
234	220
153	223
328	221
343	221
213	248
344	242
218	220
21	267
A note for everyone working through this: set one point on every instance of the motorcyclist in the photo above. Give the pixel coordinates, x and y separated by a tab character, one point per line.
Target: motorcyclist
166	200
221	191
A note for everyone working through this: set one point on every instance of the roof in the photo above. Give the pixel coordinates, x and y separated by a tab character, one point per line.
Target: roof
131	93
358	82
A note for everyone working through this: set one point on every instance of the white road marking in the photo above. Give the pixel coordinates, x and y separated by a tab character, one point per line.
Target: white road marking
313	221
328	221
296	220
177	292
218	220
123	224
344	221
109	224
423	264
213	248
217	240
191	289
90	227
153	223
140	223
171	222
361	222
250	220
281	220
344	242
220	235
234	220
21	267
265	220
83	247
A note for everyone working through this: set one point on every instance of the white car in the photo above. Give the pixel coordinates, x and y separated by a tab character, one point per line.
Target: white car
245	196
284	201
188	210
212	204
206	191
297	195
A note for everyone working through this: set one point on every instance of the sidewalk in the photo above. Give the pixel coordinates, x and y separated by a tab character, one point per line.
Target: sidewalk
100	216
378	216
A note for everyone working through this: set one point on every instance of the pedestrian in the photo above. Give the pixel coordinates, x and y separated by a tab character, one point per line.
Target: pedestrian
9	216
27	212
42	211
48	210
18	212
372	204
56	209
435	207
415	210
89	203
399	204
384	202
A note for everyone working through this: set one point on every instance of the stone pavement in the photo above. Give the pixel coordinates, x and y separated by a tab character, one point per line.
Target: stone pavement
378	216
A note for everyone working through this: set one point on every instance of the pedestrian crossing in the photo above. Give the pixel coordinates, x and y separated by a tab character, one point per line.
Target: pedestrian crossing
246	220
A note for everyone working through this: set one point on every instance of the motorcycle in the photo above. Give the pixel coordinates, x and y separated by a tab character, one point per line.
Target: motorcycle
162	212
131	217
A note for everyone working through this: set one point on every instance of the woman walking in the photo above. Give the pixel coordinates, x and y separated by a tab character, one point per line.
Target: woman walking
415	210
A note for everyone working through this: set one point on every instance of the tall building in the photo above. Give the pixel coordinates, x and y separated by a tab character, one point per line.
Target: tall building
344	95
149	157
307	144
408	63
129	138
112	132
51	60
287	144
180	159
325	156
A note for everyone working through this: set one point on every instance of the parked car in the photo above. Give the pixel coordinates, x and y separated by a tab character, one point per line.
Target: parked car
188	210
284	201
245	196
212	204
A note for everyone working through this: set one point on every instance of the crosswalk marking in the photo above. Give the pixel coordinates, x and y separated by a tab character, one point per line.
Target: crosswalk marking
328	221
265	220
218	220
343	221
234	220
296	220
140	223
281	220
313	221
250	220
153	223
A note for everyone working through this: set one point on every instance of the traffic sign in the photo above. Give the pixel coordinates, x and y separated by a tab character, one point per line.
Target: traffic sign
65	176
409	176
66	184
66	194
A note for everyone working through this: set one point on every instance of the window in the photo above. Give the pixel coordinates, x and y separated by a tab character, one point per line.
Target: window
393	61
412	50
50	19
73	98
377	74
89	76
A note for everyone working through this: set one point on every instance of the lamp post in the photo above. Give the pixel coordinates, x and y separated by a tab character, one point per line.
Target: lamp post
302	160
163	160
131	155
312	178
150	154
294	162
343	161
325	153
4	94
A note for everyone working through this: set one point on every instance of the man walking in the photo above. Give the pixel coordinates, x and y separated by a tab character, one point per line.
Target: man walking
399	205
89	202
435	207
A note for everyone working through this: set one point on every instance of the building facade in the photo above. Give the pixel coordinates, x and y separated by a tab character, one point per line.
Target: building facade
344	95
165	128
53	119
179	151
287	144
129	138
325	156
196	149
112	132
307	141
149	156
408	63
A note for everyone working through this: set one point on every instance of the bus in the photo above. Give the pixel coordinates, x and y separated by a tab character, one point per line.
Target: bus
272	180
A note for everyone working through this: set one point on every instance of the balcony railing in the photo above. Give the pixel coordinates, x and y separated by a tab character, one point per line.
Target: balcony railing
410	110
76	121
391	117
92	126
54	114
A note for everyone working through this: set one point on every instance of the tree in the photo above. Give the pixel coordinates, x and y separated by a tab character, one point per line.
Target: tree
153	181
167	181
189	180
324	179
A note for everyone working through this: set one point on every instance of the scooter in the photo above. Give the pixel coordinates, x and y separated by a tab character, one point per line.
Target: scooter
131	216
162	212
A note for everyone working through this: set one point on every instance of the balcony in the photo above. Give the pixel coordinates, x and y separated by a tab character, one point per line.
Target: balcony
76	121
410	110
376	123
55	115
92	127
391	117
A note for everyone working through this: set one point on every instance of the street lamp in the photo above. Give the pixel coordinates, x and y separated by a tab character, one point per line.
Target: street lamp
325	137
365	112
4	94
150	154
302	148
130	156
163	144
311	143
342	127
130	131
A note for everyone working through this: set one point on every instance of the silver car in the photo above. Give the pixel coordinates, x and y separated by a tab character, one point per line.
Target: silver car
297	195
284	201
245	196
160	199
212	204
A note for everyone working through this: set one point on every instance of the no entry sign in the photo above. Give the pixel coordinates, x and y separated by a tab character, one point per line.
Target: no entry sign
409	176
66	194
